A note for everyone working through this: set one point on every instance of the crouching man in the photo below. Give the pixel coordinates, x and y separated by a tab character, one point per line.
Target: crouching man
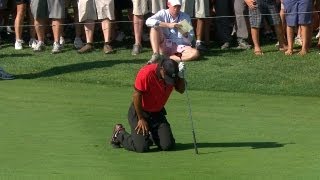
147	115
167	36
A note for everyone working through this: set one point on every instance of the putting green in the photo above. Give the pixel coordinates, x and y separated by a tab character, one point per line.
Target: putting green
52	130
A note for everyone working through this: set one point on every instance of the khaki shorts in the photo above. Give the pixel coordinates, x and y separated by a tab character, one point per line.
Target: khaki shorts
196	8
53	9
97	9
157	5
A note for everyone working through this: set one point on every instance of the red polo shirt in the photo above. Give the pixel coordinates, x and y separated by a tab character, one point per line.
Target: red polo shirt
155	92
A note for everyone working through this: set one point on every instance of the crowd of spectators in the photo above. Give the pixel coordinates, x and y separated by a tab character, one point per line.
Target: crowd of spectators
224	23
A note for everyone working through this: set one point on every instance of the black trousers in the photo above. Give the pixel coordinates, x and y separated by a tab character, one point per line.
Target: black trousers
159	128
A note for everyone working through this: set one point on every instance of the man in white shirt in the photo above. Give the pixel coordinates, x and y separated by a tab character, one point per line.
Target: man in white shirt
166	34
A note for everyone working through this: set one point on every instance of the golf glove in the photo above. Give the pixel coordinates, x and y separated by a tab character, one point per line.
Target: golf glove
182	69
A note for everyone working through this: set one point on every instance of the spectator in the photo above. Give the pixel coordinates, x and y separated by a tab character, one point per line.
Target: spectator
299	13
165	36
147	116
256	10
140	8
77	43
200	10
42	10
89	11
241	26
223	23
22	7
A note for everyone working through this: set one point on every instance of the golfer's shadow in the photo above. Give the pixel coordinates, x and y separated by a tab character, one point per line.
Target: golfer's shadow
252	145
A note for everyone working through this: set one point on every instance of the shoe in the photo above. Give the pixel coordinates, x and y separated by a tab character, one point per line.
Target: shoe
156	57
39	47
116	130
9	30
107	49
32	43
85	49
5	76
226	45
56	48
120	36
136	49
62	41
242	44
78	44
298	41
318	35
18	44
201	47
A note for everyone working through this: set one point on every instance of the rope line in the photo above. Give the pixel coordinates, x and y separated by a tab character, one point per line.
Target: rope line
115	22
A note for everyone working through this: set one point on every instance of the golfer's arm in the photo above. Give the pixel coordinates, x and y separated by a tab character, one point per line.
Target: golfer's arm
137	99
180	85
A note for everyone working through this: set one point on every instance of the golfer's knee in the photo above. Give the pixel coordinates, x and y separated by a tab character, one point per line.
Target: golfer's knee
168	145
141	148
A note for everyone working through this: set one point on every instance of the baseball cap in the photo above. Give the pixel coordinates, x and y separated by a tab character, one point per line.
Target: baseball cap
174	2
171	71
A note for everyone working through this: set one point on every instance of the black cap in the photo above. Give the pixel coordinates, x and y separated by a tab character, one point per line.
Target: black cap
171	71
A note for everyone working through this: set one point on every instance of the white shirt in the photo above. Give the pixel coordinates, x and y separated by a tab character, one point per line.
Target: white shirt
173	34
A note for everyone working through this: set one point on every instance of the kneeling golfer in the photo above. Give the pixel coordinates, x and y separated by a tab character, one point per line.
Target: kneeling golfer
147	115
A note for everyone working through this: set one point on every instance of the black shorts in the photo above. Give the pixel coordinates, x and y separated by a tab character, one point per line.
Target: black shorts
123	4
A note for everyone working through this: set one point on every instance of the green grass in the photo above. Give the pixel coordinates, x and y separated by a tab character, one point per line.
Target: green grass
254	117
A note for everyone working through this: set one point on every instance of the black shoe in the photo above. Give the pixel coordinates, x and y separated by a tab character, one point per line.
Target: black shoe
114	141
201	47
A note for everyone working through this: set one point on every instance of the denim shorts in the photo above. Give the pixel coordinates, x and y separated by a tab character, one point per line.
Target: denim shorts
298	12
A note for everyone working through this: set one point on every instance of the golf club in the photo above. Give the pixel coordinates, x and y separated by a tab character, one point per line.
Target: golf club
190	113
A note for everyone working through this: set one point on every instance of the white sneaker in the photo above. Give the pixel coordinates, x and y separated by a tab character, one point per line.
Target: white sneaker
39	47
32	43
62	41
18	44
78	44
298	40
56	48
318	35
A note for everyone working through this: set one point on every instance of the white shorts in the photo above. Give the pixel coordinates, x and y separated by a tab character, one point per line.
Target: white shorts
96	9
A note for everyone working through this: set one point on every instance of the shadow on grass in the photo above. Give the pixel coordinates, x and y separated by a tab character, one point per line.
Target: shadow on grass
253	145
54	71
15	55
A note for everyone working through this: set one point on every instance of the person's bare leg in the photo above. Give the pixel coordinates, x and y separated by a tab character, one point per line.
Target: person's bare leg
40	29
256	41
280	36
89	30
138	22
306	37
290	39
106	29
21	10
188	54
155	40
200	29
56	29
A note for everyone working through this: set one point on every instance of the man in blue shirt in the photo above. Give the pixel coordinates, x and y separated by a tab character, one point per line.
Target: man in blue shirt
167	36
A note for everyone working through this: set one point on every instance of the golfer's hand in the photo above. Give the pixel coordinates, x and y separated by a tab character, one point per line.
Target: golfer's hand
182	69
142	127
